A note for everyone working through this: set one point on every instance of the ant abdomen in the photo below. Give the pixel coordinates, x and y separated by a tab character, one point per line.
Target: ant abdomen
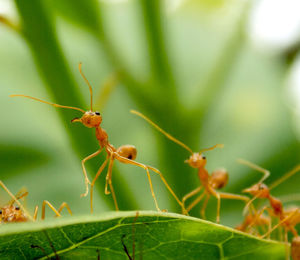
219	178
128	151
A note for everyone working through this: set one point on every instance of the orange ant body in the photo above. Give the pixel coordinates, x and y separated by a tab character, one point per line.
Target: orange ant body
11	213
254	220
124	154
288	218
210	183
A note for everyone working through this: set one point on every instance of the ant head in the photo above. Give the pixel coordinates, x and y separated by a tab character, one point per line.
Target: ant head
128	151
89	119
196	160
219	178
12	213
259	190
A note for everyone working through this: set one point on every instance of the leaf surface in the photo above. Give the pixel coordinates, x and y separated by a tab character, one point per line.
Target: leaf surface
156	236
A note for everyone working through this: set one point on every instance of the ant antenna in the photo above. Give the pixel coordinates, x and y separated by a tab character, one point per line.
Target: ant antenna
285	177
161	130
87	82
255	167
211	148
52	104
18	197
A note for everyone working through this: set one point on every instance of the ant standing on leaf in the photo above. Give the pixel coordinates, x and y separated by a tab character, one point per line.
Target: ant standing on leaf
210	183
124	154
11	213
289	218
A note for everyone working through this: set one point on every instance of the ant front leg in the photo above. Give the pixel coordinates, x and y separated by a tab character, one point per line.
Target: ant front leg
202	212
190	194
86	179
195	202
94	180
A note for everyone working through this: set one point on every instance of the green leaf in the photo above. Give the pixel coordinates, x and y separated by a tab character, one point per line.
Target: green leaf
156	236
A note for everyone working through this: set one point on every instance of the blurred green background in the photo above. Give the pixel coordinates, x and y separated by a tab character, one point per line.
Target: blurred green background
191	66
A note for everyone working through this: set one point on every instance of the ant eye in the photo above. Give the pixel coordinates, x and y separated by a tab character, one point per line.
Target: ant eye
203	157
0	211
17	208
97	113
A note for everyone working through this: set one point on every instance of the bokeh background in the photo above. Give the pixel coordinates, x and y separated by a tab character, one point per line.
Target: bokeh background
206	71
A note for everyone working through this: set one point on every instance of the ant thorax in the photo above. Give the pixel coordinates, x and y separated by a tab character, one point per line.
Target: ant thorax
196	160
12	214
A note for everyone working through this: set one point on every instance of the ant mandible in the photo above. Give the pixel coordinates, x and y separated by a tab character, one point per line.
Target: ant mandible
218	179
124	154
11	213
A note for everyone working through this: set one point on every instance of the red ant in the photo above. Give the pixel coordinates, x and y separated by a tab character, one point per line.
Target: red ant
124	154
254	220
288	218
218	179
11	213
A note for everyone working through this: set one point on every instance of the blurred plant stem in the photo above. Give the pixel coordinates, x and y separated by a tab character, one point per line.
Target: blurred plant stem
38	28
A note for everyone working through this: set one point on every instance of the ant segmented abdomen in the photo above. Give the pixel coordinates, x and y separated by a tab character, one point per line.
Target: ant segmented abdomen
219	178
128	151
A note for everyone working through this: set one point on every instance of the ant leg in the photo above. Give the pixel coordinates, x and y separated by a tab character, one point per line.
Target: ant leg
257	216
86	179
218	197
46	202
146	168
202	212
20	195
190	194
65	205
15	200
108	180
35	213
225	195
94	180
168	187
195	202
106	191
280	223
285	177
265	172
